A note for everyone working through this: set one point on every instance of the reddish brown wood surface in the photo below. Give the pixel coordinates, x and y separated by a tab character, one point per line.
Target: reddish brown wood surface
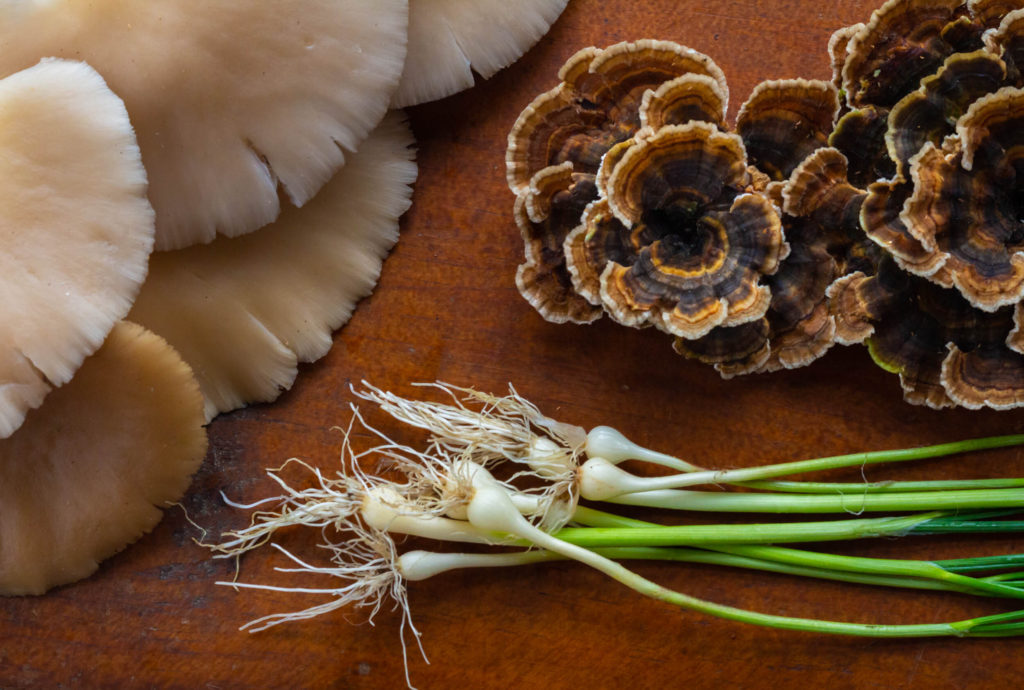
447	309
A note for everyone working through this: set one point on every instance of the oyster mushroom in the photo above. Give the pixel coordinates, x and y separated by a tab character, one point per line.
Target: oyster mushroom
75	227
244	311
228	101
449	40
698	241
89	471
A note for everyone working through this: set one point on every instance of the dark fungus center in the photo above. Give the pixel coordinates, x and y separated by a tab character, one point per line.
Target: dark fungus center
681	225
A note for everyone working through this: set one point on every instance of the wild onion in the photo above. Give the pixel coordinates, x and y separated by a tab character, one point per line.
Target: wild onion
452	492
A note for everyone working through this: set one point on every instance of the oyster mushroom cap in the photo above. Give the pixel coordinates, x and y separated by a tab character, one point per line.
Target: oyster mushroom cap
784	121
244	311
75	227
228	101
449	40
89	472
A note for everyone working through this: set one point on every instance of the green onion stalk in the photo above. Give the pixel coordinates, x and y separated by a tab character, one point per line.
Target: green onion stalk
451	493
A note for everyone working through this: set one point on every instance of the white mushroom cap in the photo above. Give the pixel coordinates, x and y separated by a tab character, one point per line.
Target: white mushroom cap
228	98
245	311
450	39
75	227
88	472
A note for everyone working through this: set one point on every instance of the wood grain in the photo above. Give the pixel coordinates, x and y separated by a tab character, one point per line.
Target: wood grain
447	309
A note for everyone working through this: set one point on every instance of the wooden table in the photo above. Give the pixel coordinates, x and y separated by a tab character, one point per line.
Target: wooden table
447	309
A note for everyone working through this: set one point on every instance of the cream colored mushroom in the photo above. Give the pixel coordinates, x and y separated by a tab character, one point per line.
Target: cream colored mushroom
245	311
230	99
449	40
88	472
75	227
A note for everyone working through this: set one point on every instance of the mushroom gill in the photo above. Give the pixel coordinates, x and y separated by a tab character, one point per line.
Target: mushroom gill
450	40
244	311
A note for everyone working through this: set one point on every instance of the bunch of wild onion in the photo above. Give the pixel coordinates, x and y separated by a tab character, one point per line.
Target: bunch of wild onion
451	492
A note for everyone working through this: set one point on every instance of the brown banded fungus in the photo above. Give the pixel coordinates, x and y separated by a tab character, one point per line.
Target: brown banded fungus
900	45
697	242
967	208
930	113
935	154
881	218
556	203
784	121
615	260
895	57
945	351
860	136
1007	41
732	350
558	143
598	103
820	223
820	211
